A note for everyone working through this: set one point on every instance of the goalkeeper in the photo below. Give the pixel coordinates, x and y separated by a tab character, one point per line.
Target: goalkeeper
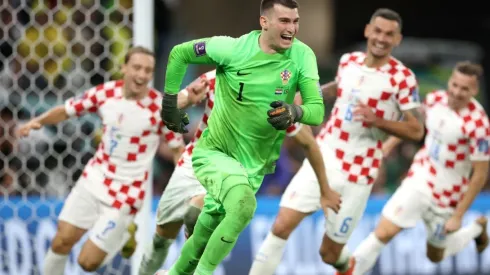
256	80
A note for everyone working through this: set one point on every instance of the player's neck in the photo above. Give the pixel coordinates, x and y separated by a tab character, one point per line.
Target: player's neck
373	62
127	94
265	46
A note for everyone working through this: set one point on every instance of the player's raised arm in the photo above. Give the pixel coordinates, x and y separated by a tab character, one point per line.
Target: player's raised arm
53	116
215	50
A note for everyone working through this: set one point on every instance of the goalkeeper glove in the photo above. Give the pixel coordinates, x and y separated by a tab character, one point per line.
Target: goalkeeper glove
283	115
174	119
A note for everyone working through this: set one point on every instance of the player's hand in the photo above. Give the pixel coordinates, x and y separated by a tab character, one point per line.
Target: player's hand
283	115
174	119
25	129
364	113
452	225
198	90
330	200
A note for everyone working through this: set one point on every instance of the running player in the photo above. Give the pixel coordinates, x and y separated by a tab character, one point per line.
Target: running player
256	71
438	188
111	189
373	90
182	201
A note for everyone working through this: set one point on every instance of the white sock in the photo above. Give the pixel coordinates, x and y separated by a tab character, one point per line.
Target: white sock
269	256
367	253
342	263
460	239
54	264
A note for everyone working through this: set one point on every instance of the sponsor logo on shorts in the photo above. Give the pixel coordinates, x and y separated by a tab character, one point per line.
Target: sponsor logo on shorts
200	48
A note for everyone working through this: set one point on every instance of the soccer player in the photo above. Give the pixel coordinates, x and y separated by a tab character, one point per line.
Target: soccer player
182	201
373	90
446	175
112	187
257	71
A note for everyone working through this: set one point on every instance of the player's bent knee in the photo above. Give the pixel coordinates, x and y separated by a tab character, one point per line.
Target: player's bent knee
435	254
240	202
386	230
286	221
190	219
66	237
330	250
91	256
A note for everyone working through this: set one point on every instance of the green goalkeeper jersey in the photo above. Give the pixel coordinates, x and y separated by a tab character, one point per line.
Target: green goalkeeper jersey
247	81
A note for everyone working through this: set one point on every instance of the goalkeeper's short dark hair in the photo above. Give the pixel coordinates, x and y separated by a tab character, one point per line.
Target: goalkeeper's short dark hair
268	4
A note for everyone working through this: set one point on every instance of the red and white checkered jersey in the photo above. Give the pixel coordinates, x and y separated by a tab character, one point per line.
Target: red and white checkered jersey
454	139
186	158
388	90
131	134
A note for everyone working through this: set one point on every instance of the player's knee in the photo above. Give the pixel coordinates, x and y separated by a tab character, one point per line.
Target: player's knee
190	219
88	264
434	254
282	228
63	242
435	257
386	230
328	256
240	203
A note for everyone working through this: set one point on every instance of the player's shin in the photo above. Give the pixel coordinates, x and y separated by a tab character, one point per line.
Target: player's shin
269	255
458	240
190	219
239	204
367	253
154	255
54	264
195	245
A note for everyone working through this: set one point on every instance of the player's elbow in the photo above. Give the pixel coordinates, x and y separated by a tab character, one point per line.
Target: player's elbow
417	132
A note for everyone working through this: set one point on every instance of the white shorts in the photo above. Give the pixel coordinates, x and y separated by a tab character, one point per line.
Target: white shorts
109	226
303	195
408	205
182	186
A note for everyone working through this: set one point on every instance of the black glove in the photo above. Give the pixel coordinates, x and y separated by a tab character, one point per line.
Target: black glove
174	119
283	115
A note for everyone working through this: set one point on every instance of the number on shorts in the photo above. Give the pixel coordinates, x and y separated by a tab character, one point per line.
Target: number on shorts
110	225
344	228
434	150
439	232
348	113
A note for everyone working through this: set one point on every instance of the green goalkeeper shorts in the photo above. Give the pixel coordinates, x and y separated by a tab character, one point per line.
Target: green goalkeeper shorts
219	173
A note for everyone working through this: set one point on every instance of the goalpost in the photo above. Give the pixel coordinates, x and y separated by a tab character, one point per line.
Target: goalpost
50	51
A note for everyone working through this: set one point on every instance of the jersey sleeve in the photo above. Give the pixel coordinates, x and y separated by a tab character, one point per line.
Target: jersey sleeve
174	140
479	138
216	50
293	129
408	91
311	93
89	102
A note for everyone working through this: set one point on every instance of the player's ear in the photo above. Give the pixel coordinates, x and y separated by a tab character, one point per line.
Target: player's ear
398	40
367	30
263	22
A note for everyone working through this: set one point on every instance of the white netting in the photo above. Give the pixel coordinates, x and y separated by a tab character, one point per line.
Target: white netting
50	50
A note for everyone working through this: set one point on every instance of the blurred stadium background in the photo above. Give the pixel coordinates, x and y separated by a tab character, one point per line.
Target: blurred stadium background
55	49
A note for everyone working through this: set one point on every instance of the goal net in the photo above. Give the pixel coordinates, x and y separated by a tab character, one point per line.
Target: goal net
50	50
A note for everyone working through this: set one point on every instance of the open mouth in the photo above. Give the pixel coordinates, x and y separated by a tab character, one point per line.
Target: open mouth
380	46
287	37
139	83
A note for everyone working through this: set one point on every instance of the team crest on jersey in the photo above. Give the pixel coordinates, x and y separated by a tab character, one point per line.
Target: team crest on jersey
285	76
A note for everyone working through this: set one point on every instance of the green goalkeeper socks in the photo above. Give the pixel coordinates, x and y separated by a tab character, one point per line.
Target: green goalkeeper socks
239	204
